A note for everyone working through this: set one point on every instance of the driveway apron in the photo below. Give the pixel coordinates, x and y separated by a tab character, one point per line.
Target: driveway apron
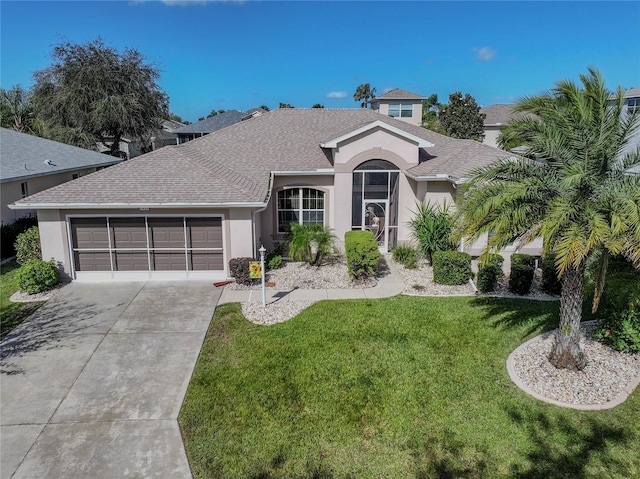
92	383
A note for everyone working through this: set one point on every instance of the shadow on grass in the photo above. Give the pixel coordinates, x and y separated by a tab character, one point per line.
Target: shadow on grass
443	456
532	316
560	449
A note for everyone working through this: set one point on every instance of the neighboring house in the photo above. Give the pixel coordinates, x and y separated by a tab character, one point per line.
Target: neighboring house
632	104
497	116
184	211
400	104
31	164
211	124
167	135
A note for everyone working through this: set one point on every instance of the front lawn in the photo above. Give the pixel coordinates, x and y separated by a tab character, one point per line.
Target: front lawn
12	314
406	387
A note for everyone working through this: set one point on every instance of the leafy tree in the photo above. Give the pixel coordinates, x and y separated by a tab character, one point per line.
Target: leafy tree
461	118
178	118
16	111
285	105
93	92
577	196
317	105
430	111
364	93
265	107
214	113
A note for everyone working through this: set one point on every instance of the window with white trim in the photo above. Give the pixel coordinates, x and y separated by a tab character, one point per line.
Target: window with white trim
633	105
404	110
25	189
299	205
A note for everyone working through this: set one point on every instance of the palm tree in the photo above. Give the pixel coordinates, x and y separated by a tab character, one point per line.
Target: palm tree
576	194
363	93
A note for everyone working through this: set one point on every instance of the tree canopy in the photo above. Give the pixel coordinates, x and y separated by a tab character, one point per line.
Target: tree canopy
285	105
461	117
364	93
576	195
17	112
95	93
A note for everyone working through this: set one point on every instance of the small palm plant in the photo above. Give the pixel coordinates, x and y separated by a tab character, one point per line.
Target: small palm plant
431	226
307	239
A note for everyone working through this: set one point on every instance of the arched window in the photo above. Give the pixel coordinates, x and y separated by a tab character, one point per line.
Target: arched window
299	205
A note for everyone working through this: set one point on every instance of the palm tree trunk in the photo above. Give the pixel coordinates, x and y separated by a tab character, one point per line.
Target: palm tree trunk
566	351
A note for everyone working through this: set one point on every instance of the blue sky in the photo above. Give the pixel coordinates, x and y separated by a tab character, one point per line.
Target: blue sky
227	55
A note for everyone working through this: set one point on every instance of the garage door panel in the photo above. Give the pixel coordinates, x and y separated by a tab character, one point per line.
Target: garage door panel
89	233
205	232
166	232
92	261
168	261
131	261
206	261
129	232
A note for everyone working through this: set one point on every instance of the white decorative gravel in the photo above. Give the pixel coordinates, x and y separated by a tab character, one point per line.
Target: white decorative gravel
20	297
419	281
272	313
331	275
607	375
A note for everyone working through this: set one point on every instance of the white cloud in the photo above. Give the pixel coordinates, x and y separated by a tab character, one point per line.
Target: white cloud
337	95
484	54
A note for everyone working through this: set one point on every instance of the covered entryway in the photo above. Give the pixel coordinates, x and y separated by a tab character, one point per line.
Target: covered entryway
147	247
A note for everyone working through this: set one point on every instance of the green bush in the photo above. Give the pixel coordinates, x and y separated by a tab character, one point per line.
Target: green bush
621	331
451	267
239	269
431	226
406	255
526	259
28	246
305	239
362	254
489	271
9	233
36	276
520	278
550	282
273	261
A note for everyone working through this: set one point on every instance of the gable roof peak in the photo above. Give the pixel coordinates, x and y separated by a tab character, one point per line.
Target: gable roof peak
399	94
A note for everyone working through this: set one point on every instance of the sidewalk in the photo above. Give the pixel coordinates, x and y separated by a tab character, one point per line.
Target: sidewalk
389	284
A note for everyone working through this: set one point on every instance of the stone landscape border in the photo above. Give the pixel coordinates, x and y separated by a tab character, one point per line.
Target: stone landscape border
619	399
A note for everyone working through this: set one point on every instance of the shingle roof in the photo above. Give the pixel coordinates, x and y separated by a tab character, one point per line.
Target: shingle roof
632	93
23	156
398	94
234	164
214	123
498	114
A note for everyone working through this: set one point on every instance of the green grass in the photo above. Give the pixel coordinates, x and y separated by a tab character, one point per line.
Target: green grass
12	314
405	387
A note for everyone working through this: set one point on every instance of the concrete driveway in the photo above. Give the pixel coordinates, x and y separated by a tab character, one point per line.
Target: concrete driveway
92	383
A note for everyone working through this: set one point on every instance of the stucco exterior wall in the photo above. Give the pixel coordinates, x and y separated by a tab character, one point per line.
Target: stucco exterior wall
491	134
11	191
375	144
416	111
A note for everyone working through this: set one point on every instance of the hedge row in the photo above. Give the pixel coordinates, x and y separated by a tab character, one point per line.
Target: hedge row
489	272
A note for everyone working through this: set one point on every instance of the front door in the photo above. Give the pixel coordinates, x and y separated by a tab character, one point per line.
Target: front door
374	219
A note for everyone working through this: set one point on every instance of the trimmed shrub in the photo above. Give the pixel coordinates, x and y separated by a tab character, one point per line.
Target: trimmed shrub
28	246
520	278
9	233
362	254
36	276
239	269
526	259
550	282
451	267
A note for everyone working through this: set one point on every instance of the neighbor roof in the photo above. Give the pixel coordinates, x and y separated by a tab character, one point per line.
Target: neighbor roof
214	123
632	93
498	114
398	94
26	156
233	166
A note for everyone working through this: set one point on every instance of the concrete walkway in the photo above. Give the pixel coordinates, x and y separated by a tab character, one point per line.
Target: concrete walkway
389	284
92	383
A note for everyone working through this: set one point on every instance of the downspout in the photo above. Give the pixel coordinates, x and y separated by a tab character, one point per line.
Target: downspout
260	210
